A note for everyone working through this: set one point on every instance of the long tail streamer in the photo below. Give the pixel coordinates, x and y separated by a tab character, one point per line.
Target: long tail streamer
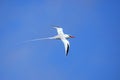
38	39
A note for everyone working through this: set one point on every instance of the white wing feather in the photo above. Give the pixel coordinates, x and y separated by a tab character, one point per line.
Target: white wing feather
59	30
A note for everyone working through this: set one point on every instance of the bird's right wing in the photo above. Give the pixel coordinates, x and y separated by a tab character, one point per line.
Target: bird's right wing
66	45
59	30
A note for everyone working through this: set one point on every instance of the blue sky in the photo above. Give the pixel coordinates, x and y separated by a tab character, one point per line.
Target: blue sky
94	53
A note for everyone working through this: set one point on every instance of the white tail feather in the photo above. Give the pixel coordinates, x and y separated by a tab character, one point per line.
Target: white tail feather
38	39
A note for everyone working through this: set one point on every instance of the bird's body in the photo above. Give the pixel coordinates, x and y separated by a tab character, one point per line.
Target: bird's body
61	36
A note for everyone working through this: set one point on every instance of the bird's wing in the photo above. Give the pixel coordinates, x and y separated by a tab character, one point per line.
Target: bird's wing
59	30
66	45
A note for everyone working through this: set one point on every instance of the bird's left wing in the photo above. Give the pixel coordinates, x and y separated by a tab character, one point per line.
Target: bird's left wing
59	30
66	45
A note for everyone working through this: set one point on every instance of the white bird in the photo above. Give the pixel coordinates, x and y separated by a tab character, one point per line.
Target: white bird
61	36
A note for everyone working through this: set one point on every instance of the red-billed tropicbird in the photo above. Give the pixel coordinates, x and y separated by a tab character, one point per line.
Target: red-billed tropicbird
61	36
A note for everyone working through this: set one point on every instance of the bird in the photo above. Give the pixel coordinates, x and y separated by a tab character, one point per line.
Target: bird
60	36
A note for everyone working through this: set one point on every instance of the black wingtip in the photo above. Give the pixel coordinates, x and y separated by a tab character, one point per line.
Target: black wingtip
55	26
66	54
67	49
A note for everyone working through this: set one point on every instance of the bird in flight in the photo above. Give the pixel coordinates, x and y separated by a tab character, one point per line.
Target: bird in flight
60	36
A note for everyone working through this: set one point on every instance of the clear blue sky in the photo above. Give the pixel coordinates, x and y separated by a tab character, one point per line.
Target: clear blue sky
94	53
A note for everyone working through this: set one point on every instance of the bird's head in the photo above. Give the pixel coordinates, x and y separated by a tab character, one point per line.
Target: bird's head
70	36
